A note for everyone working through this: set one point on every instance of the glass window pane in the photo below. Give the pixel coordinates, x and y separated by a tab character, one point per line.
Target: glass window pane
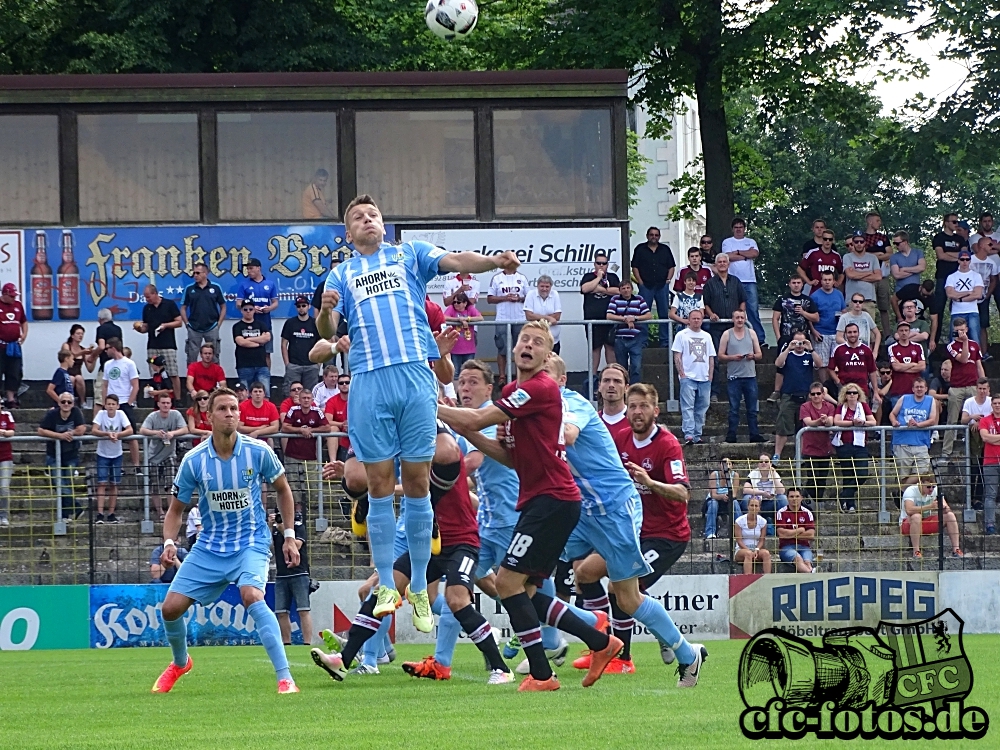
138	167
554	162
277	165
29	153
417	164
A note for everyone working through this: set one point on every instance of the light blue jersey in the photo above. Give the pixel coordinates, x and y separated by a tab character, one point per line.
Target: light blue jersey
382	300
496	487
593	458
233	516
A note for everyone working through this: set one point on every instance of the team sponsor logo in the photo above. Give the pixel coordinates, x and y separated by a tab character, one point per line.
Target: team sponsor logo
519	398
677	468
229	501
378	282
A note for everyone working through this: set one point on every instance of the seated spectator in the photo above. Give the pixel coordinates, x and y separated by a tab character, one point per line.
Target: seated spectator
64	423
111	424
694	361
852	451
686	300
750	535
868	332
966	370
764	483
294	389
82	356
919	515
193	525
989	433
242	394
62	381
164	426
629	311
817	447
541	303
327	387
160	382
796	529
462	314
197	418
722	484
913	416
205	374
160	573
927	306
258	416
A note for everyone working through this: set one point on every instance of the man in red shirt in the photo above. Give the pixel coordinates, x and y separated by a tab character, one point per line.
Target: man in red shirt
819	260
6	464
907	361
854	362
795	527
817	448
549	503
258	417
205	374
13	332
989	431
966	369
336	414
701	272
294	389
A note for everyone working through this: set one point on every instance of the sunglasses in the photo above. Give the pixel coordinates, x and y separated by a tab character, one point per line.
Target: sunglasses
343	382
706	242
952	221
885	372
853	393
858	301
203	398
66	403
293	390
302	304
816	393
897	244
600	263
828	239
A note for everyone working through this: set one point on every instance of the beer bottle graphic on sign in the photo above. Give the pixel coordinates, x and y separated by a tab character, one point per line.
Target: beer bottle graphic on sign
41	281
68	281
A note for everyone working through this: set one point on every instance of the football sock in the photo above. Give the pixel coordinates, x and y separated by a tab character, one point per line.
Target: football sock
556	613
652	614
270	636
524	621
481	633
550	636
549	587
595	598
363	627
447	636
177	638
621	624
443	478
381	534
419	519
374	647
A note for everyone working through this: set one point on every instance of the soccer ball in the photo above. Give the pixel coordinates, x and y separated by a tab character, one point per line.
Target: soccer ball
450	19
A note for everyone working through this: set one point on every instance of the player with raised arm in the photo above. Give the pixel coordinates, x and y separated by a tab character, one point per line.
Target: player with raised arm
234	546
380	292
548	502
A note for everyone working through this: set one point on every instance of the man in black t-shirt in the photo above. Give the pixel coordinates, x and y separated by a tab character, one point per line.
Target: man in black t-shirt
297	337
251	336
653	267
598	287
64	423
160	317
291	583
946	244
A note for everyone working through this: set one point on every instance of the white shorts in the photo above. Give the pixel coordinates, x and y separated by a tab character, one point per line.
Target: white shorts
824	348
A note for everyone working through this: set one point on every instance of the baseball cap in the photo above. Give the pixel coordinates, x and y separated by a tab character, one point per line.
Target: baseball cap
964	225
240	387
253	262
901	324
10	289
245	302
159	361
301	299
857	233
964	254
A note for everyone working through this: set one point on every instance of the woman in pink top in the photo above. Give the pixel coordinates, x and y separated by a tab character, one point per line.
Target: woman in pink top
461	314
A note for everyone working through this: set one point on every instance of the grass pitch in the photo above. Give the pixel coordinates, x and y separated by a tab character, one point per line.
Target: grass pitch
101	699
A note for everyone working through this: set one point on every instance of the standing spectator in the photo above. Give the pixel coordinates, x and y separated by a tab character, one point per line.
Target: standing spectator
465	283
106	330
815	242
251	337
294	389
298	336
946	244
542	303
795	527
913	416
985	229
920	330
906	361
160	317
750	535
741	350
121	378
790	313
164	573
306	420
989	432
193	526
988	267
863	271
462	314
597	288
722	484
653	267
203	308
694	360
62	381
853	362
197	418
707	246
7	429
630	335
64	423
83	356
258	416
877	244
291	583
965	290
818	260
264	295
336	413
687	300
906	266
741	251
966	370
508	289
317	302
206	374
702	273
852	452
816	446
939	387
978	405
765	484
112	425
314	203
163	427
918	515
868	331
798	362
973	410
829	303
722	295
13	332
326	389
160	382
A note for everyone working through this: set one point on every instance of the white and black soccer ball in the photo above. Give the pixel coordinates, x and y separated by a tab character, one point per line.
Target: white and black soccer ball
451	19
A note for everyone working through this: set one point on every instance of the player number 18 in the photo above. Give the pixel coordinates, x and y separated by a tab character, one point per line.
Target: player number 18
519	545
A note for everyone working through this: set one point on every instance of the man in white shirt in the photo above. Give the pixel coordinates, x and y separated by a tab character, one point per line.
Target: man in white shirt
121	377
986	229
694	360
542	303
987	266
965	290
741	251
461	283
508	290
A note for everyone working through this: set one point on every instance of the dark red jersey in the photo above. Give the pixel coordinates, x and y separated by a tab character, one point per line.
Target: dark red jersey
854	364
661	456
902	382
801	519
303	448
454	514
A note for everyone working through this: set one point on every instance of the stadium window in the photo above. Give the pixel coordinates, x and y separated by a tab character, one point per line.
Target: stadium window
29	152
417	164
138	167
553	162
277	165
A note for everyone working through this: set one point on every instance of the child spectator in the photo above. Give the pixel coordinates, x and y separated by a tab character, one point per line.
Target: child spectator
62	381
461	313
160	381
111	425
685	301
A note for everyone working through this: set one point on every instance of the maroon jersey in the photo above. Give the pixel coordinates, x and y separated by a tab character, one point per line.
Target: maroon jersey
661	456
614	427
6	423
454	514
854	364
703	273
11	317
964	375
815	262
902	382
817	444
535	439
800	519
303	448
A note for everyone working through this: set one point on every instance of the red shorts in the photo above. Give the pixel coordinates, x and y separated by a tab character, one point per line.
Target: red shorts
928	525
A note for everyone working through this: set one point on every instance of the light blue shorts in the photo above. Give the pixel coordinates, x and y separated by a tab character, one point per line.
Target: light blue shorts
204	575
392	413
615	537
493	544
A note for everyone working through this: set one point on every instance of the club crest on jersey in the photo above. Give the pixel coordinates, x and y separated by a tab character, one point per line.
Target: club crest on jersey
647	463
247	474
519	398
